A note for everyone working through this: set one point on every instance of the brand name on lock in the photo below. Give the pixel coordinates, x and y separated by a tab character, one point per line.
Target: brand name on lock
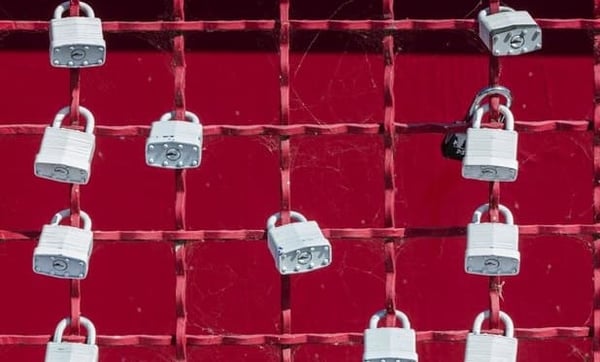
491	347
66	154
297	247
173	143
59	351
76	41
492	248
509	32
390	344
64	251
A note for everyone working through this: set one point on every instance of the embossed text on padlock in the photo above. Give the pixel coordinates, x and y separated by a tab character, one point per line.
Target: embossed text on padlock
66	154
59	351
455	144
76	41
491	154
297	247
492	247
509	32
64	251
175	143
491	347
390	344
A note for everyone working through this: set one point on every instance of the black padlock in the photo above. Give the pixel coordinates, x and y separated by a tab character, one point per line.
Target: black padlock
453	145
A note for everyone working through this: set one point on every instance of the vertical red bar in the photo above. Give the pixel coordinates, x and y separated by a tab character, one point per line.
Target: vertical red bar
180	192
389	141
596	188
74	194
495	282
284	153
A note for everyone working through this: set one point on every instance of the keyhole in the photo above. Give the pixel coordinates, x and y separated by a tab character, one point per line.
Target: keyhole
173	154
304	257
59	265
77	54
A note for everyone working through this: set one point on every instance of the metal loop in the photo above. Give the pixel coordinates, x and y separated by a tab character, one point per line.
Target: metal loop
509	327
509	119
188	115
84	7
86	323
508	216
374	321
486	92
271	221
485	12
87	221
89	118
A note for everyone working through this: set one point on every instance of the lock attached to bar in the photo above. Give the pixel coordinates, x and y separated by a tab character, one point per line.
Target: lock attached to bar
390	344
59	351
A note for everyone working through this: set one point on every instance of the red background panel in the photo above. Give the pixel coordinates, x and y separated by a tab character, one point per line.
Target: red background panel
233	293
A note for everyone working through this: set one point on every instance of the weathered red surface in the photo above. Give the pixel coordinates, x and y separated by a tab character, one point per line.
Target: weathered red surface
338	180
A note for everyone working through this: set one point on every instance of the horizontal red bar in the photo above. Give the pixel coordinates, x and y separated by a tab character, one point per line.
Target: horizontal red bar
290	339
299	24
313	129
349	233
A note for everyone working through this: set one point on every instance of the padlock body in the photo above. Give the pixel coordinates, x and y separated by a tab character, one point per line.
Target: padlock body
490	348
390	345
65	155
510	33
63	252
299	247
174	144
71	352
490	155
492	249
77	42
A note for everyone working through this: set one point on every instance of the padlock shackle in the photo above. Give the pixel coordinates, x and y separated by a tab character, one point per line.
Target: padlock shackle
509	327
374	321
294	215
508	216
489	91
485	12
509	119
84	7
87	221
188	115
89	118
86	323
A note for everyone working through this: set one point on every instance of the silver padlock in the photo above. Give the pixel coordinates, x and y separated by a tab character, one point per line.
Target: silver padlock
390	344
76	41
492	247
491	347
66	154
64	251
59	351
509	32
175	143
297	247
454	144
491	154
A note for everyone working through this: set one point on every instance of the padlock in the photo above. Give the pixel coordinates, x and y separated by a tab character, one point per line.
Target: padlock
454	144
59	351
64	251
175	143
491	347
509	32
492	247
66	154
491	154
390	344
76	41
297	247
